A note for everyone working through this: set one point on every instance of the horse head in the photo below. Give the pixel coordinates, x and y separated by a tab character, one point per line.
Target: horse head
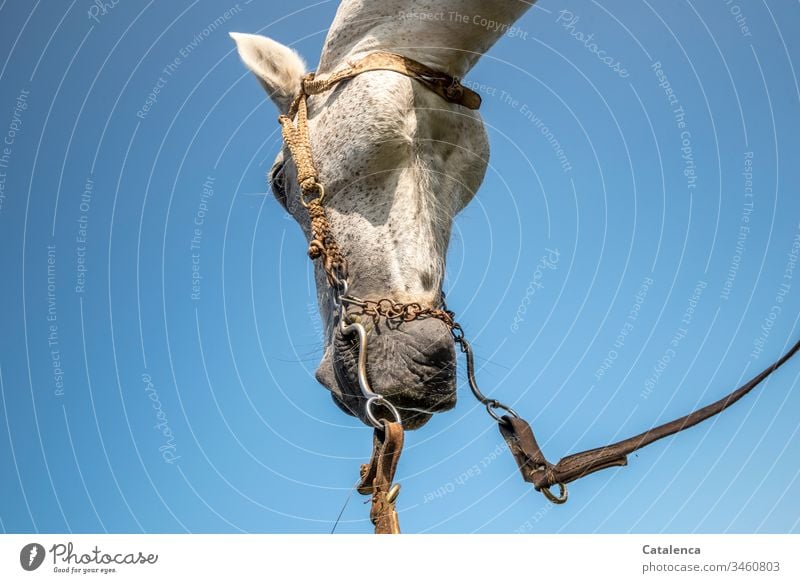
398	163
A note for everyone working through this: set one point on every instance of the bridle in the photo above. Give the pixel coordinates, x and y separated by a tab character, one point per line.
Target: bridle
377	476
323	246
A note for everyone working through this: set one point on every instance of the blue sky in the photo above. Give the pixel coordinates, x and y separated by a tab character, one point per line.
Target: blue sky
631	256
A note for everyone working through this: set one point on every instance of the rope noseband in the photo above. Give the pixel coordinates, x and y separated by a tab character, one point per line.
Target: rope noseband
377	476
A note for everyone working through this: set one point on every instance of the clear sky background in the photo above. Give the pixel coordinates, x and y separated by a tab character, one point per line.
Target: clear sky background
128	405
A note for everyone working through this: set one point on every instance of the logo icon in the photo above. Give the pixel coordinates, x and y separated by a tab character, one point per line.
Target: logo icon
31	556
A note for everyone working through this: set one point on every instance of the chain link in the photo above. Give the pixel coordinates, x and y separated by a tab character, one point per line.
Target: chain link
400	312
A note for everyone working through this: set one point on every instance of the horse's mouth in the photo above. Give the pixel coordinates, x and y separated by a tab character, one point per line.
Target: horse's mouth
412	365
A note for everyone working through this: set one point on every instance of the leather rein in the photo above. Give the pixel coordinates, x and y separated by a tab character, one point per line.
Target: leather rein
377	476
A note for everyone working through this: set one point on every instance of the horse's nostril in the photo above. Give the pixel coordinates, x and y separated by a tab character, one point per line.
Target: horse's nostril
438	352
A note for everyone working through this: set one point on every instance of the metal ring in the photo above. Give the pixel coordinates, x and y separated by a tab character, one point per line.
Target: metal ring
374	421
491	405
458	334
320	189
562	495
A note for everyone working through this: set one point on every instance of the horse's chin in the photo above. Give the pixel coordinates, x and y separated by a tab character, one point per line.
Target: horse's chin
412	365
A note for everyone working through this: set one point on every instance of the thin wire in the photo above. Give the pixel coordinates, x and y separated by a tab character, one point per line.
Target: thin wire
349	495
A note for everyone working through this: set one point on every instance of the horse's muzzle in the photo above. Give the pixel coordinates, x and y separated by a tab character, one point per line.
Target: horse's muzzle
412	364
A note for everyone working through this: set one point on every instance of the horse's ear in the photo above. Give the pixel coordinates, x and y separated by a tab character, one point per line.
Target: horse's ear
277	67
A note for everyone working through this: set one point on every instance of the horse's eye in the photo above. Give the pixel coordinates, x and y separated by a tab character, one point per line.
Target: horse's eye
277	183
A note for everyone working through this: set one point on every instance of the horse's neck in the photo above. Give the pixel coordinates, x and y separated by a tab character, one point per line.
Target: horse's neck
449	36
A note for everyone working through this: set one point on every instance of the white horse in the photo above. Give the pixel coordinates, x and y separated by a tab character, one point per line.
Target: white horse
398	163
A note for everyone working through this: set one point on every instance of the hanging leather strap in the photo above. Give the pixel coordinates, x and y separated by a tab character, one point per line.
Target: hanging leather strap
377	477
542	474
